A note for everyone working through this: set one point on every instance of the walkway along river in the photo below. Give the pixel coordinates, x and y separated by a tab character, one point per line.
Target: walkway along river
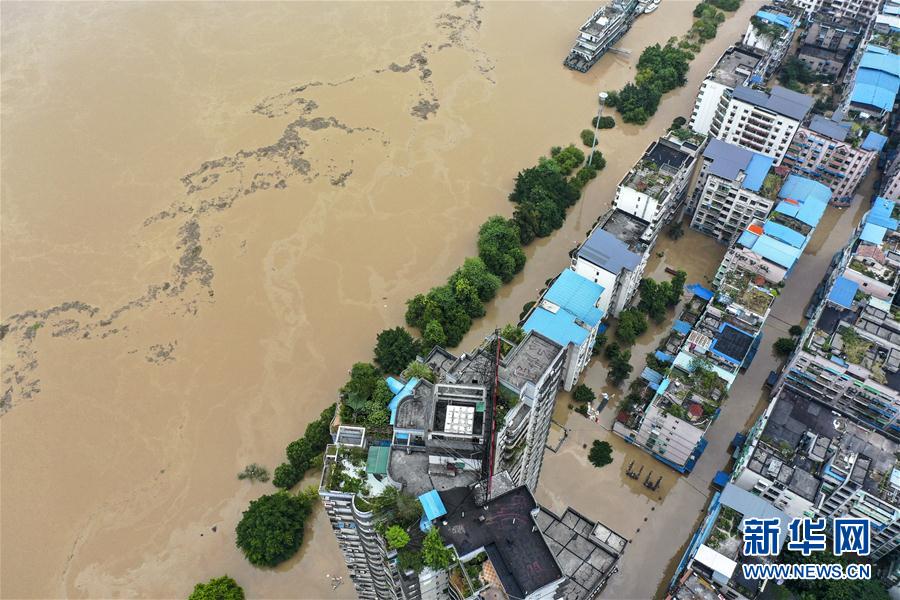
242	196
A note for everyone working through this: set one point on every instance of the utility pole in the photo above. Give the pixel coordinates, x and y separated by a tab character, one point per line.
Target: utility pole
602	102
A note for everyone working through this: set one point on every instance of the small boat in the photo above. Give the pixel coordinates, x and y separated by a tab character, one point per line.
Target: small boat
651	8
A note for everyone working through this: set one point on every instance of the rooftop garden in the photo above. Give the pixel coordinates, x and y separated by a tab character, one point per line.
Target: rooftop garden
725	536
889	40
875	271
854	346
770	186
346	472
739	285
788	221
647	178
767	29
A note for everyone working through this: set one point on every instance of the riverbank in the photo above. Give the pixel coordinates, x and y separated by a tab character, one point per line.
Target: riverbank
123	459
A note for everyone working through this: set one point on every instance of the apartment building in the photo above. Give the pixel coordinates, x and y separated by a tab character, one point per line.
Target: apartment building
890	181
850	360
614	255
829	43
860	10
807	460
771	249
730	193
738	65
876	83
655	188
771	31
832	153
764	122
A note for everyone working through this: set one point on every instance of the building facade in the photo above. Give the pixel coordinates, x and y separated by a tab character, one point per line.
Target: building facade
736	67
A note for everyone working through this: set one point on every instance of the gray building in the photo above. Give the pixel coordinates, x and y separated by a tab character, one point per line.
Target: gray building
829	43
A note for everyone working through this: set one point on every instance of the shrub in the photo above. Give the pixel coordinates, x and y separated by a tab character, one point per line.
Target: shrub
600	454
287	476
434	553
396	537
271	529
254	473
603	122
587	137
784	346
795	331
620	367
598	344
419	370
631	325
583	393
221	588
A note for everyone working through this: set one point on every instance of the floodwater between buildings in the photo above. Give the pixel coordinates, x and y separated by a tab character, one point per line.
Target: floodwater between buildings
209	211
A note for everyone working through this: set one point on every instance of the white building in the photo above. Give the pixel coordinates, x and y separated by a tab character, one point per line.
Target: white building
729	192
614	256
654	189
761	121
735	68
771	31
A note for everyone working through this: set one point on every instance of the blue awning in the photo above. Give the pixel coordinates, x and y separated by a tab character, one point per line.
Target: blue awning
663	357
682	327
843	292
652	376
699	290
433	505
721	479
872	233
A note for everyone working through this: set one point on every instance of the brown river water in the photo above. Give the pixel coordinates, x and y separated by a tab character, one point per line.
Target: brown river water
209	211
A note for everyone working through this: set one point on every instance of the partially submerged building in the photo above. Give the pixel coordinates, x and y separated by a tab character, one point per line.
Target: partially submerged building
771	31
614	255
876	83
829	43
730	192
738	65
834	153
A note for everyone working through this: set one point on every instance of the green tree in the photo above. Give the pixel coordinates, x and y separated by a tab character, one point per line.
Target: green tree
254	473
468	299
271	529
299	453
377	412
587	137
631	325
409	560
654	299
583	393
600	454
675	231
620	367
603	122
784	346
569	159
500	248
393	507
598	344
287	476
396	537
419	370
394	349
795	331
415	310
612	351
220	588
434	335
676	288
513	333
358	391
476	272
435	553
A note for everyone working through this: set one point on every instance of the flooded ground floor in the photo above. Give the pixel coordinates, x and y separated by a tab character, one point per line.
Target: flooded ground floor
659	523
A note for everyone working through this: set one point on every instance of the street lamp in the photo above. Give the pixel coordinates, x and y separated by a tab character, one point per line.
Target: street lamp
603	96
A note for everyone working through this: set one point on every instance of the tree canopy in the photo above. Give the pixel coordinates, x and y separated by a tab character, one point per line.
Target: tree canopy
583	393
219	588
600	454
394	349
419	370
435	553
631	324
271	529
396	537
500	247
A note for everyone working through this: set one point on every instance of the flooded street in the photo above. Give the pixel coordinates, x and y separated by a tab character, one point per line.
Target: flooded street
209	211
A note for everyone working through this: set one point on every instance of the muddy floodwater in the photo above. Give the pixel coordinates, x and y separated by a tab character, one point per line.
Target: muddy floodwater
208	212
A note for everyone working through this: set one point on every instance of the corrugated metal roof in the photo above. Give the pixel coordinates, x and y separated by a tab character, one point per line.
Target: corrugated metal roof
377	461
877	79
785	234
781	100
843	291
777	18
872	233
753	507
433	505
829	127
811	199
775	250
728	160
576	298
608	252
874	141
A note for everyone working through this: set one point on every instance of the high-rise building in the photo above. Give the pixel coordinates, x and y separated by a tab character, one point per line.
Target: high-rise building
764	122
890	181
830	152
771	31
737	66
731	190
829	43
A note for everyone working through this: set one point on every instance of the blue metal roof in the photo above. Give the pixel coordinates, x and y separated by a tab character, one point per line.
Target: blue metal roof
682	327
785	234
836	130
651	376
874	141
721	479
663	357
872	233
577	299
843	291
700	291
728	160
608	252
877	79
811	199
775	250
779	19
433	505
400	393
881	212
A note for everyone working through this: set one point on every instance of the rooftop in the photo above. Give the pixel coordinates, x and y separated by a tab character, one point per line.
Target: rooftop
605	250
835	130
506	530
529	360
877	79
627	228
585	551
568	310
728	161
782	101
735	66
